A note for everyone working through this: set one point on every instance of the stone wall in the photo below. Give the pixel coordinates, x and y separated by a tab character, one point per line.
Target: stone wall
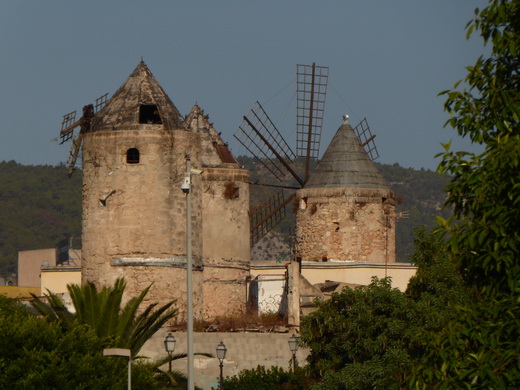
244	351
134	220
134	215
355	225
225	236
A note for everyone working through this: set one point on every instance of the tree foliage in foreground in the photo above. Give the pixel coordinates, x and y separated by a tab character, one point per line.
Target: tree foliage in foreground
274	378
480	348
373	337
35	354
103	312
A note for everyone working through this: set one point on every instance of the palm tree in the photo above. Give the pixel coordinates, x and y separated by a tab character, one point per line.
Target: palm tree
102	311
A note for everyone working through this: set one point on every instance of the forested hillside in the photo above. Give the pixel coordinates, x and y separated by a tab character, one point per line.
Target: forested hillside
40	204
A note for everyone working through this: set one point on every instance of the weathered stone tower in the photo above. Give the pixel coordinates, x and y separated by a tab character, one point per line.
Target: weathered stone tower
347	212
134	214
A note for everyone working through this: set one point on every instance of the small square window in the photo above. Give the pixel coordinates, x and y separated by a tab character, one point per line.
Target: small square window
132	156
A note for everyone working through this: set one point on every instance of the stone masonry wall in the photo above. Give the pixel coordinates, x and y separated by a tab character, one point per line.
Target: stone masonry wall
225	235
346	228
136	213
244	351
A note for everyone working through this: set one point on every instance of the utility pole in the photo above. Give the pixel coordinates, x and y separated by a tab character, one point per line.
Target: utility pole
186	188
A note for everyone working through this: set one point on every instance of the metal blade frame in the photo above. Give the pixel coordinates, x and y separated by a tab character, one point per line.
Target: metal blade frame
68	119
310	97
101	102
366	139
265	217
75	150
258	134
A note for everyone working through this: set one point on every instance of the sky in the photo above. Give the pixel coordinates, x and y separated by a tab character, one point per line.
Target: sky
388	61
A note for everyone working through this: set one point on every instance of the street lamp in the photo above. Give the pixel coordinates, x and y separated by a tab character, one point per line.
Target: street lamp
293	346
125	353
169	346
221	355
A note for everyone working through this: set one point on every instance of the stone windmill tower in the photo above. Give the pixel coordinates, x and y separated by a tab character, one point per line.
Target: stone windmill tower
347	211
134	214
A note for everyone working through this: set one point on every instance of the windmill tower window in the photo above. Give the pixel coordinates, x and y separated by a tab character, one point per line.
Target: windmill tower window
148	113
132	156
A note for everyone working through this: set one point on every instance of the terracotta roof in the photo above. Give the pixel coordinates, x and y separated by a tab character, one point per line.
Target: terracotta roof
122	112
345	164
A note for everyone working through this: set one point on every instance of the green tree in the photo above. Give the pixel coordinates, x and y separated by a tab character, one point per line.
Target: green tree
104	313
438	282
364	338
36	354
274	378
480	348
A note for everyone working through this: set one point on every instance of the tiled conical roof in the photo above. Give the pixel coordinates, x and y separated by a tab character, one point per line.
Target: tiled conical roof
345	164
122	112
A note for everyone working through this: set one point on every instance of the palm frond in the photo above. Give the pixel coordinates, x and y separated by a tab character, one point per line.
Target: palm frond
54	310
148	323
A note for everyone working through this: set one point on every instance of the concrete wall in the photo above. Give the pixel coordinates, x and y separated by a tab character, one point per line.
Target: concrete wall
266	292
19	292
29	264
55	279
244	351
346	272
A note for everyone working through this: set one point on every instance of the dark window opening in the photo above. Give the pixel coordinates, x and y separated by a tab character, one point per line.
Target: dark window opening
132	156
148	113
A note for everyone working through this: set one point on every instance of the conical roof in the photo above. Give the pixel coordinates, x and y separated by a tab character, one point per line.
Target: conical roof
215	151
141	91
345	164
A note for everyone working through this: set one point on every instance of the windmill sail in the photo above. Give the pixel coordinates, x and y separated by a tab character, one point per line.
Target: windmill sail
266	216
261	138
311	92
74	153
366	139
68	124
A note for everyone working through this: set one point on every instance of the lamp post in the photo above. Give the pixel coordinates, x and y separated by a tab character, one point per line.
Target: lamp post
293	346
221	355
125	353
169	346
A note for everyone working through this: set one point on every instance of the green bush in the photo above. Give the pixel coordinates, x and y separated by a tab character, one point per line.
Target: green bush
274	378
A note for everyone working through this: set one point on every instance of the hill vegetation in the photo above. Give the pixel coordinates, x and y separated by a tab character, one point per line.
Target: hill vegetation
39	205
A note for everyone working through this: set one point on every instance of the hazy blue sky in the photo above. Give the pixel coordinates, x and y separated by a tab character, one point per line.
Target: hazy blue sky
388	60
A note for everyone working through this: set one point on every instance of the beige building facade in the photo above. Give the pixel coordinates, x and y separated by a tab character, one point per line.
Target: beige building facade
30	264
134	211
346	211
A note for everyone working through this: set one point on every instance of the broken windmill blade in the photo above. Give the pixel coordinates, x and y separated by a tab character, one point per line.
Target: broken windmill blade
261	138
366	139
69	124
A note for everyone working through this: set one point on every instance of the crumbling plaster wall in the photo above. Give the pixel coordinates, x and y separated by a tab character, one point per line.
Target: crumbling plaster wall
225	235
357	226
137	213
